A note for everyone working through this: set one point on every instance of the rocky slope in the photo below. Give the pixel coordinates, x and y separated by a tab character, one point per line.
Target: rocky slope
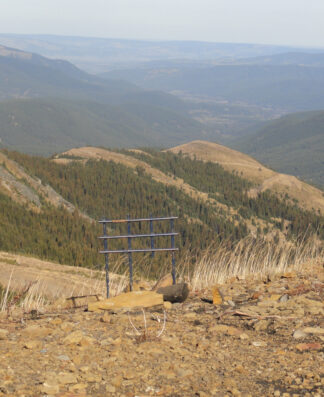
265	339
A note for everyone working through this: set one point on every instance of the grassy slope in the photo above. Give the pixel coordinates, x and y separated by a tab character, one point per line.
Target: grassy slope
308	196
293	144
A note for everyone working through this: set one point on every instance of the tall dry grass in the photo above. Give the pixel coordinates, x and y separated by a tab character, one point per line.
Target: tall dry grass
250	257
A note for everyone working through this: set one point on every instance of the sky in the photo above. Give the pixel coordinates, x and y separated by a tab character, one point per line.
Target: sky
283	22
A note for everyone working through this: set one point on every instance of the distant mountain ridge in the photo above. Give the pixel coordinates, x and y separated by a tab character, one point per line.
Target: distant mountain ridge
101	54
282	86
51	105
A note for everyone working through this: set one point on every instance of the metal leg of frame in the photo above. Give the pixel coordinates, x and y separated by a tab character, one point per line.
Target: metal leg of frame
106	259
130	256
173	255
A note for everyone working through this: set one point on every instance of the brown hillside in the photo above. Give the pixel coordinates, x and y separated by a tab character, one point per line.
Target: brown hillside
308	196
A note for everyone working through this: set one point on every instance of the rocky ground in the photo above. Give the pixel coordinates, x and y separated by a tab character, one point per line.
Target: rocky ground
265	339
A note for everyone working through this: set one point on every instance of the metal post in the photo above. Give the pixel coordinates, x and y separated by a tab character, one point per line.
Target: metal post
152	238
106	258
130	256
173	255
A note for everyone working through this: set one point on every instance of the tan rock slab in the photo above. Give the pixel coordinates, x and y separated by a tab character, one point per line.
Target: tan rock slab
128	300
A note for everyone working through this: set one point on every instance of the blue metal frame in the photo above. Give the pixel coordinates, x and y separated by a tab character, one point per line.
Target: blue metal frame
129	236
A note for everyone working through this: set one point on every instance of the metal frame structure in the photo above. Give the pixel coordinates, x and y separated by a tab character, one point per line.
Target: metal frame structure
129	236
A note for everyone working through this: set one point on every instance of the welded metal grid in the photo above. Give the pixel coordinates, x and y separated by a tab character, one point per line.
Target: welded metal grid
129	236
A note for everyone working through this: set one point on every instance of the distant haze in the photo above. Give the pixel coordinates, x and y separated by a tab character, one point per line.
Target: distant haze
288	22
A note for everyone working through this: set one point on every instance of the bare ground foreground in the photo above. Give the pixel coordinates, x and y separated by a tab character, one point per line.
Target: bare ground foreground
52	280
264	339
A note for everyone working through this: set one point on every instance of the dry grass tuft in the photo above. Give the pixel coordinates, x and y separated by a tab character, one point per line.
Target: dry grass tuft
250	257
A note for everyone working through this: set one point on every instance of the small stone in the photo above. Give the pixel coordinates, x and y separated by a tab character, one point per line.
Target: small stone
275	297
3	334
56	321
308	346
244	336
259	344
32	344
298	334
261	325
167	305
73	338
117	381
63	357
105	318
217	296
78	387
65	378
50	389
110	389
284	298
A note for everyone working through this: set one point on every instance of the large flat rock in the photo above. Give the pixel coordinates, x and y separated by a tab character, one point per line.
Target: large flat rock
128	300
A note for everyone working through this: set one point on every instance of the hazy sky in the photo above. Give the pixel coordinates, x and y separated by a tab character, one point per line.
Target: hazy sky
295	22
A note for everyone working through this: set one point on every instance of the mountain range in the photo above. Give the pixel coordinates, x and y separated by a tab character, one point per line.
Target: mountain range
49	105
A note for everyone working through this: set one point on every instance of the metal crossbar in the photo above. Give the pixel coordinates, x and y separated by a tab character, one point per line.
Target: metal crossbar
129	236
166	218
138	250
138	235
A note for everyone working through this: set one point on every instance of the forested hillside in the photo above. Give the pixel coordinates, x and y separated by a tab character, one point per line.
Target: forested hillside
47	126
106	188
293	144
